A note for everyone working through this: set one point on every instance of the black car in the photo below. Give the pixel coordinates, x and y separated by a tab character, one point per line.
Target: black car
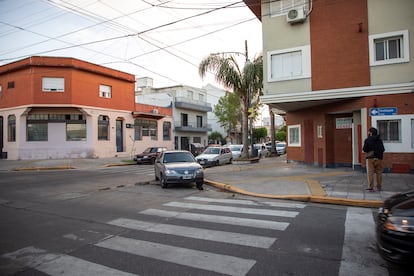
395	228
149	155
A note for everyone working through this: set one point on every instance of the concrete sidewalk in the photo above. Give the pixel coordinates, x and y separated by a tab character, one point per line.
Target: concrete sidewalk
270	178
274	178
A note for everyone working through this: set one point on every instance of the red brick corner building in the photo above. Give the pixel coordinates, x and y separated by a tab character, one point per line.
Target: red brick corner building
335	68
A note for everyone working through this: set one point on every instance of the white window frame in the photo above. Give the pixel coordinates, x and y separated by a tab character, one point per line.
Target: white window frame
405	48
297	143
105	91
405	144
305	63
53	84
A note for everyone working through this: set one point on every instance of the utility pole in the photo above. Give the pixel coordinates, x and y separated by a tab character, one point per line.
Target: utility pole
249	107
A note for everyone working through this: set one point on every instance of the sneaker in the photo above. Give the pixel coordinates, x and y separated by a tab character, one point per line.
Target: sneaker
371	190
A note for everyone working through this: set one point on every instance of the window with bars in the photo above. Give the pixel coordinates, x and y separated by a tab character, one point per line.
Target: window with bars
390	130
166	131
11	128
103	128
145	128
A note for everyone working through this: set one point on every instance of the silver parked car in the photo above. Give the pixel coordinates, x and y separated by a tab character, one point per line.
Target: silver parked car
281	148
215	156
178	166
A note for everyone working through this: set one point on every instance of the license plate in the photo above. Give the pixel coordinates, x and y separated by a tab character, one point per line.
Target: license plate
187	176
202	162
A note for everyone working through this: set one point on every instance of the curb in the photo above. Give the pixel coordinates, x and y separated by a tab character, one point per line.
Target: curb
44	168
305	198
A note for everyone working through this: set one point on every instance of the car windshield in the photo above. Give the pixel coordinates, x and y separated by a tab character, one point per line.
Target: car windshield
212	151
148	150
235	148
175	157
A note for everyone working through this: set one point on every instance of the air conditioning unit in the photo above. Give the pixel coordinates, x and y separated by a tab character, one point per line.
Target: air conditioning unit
296	15
155	111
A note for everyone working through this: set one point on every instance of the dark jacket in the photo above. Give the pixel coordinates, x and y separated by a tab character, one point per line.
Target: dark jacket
374	143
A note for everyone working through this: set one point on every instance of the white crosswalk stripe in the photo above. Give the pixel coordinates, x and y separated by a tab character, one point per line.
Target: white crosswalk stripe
258	223
251	211
247	202
196	233
195	257
60	264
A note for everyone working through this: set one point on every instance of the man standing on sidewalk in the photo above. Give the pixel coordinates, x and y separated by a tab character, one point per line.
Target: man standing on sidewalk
374	149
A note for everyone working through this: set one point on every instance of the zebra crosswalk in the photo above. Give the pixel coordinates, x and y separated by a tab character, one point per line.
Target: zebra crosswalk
197	212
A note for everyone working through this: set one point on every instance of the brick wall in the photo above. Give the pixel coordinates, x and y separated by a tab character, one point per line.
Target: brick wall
339	44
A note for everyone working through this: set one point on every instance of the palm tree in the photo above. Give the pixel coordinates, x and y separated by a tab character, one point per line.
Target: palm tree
247	83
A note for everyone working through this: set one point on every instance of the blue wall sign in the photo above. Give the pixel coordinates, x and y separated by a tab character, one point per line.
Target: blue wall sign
383	111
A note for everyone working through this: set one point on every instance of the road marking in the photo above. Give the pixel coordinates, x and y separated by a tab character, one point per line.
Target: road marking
285	204
252	211
193	258
219	200
359	253
247	202
265	224
60	264
197	233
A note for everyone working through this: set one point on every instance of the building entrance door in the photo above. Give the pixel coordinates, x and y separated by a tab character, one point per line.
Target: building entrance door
1	137
185	145
309	142
119	136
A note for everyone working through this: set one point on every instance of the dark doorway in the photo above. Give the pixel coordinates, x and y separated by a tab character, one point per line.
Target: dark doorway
119	136
309	142
185	145
1	138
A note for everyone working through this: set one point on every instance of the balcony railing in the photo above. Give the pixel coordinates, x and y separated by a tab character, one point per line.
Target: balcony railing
182	102
191	127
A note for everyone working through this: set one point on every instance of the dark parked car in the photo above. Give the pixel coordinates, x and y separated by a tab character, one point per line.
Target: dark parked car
395	228
149	155
178	166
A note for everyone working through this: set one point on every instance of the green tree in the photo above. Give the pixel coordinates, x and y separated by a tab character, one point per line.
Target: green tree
228	112
281	134
246	83
216	137
259	133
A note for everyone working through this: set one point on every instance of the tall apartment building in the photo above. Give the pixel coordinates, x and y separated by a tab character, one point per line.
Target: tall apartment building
335	68
189	110
56	107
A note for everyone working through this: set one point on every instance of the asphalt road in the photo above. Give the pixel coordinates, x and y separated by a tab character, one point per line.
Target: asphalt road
116	221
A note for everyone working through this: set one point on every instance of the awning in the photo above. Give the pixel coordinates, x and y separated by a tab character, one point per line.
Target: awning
299	100
147	115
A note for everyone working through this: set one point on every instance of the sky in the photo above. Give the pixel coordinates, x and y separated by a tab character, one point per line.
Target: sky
162	39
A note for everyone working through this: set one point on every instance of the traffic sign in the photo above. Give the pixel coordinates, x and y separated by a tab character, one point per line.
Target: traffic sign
383	111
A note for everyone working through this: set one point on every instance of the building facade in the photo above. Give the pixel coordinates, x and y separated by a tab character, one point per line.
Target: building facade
213	95
189	110
56	107
336	68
